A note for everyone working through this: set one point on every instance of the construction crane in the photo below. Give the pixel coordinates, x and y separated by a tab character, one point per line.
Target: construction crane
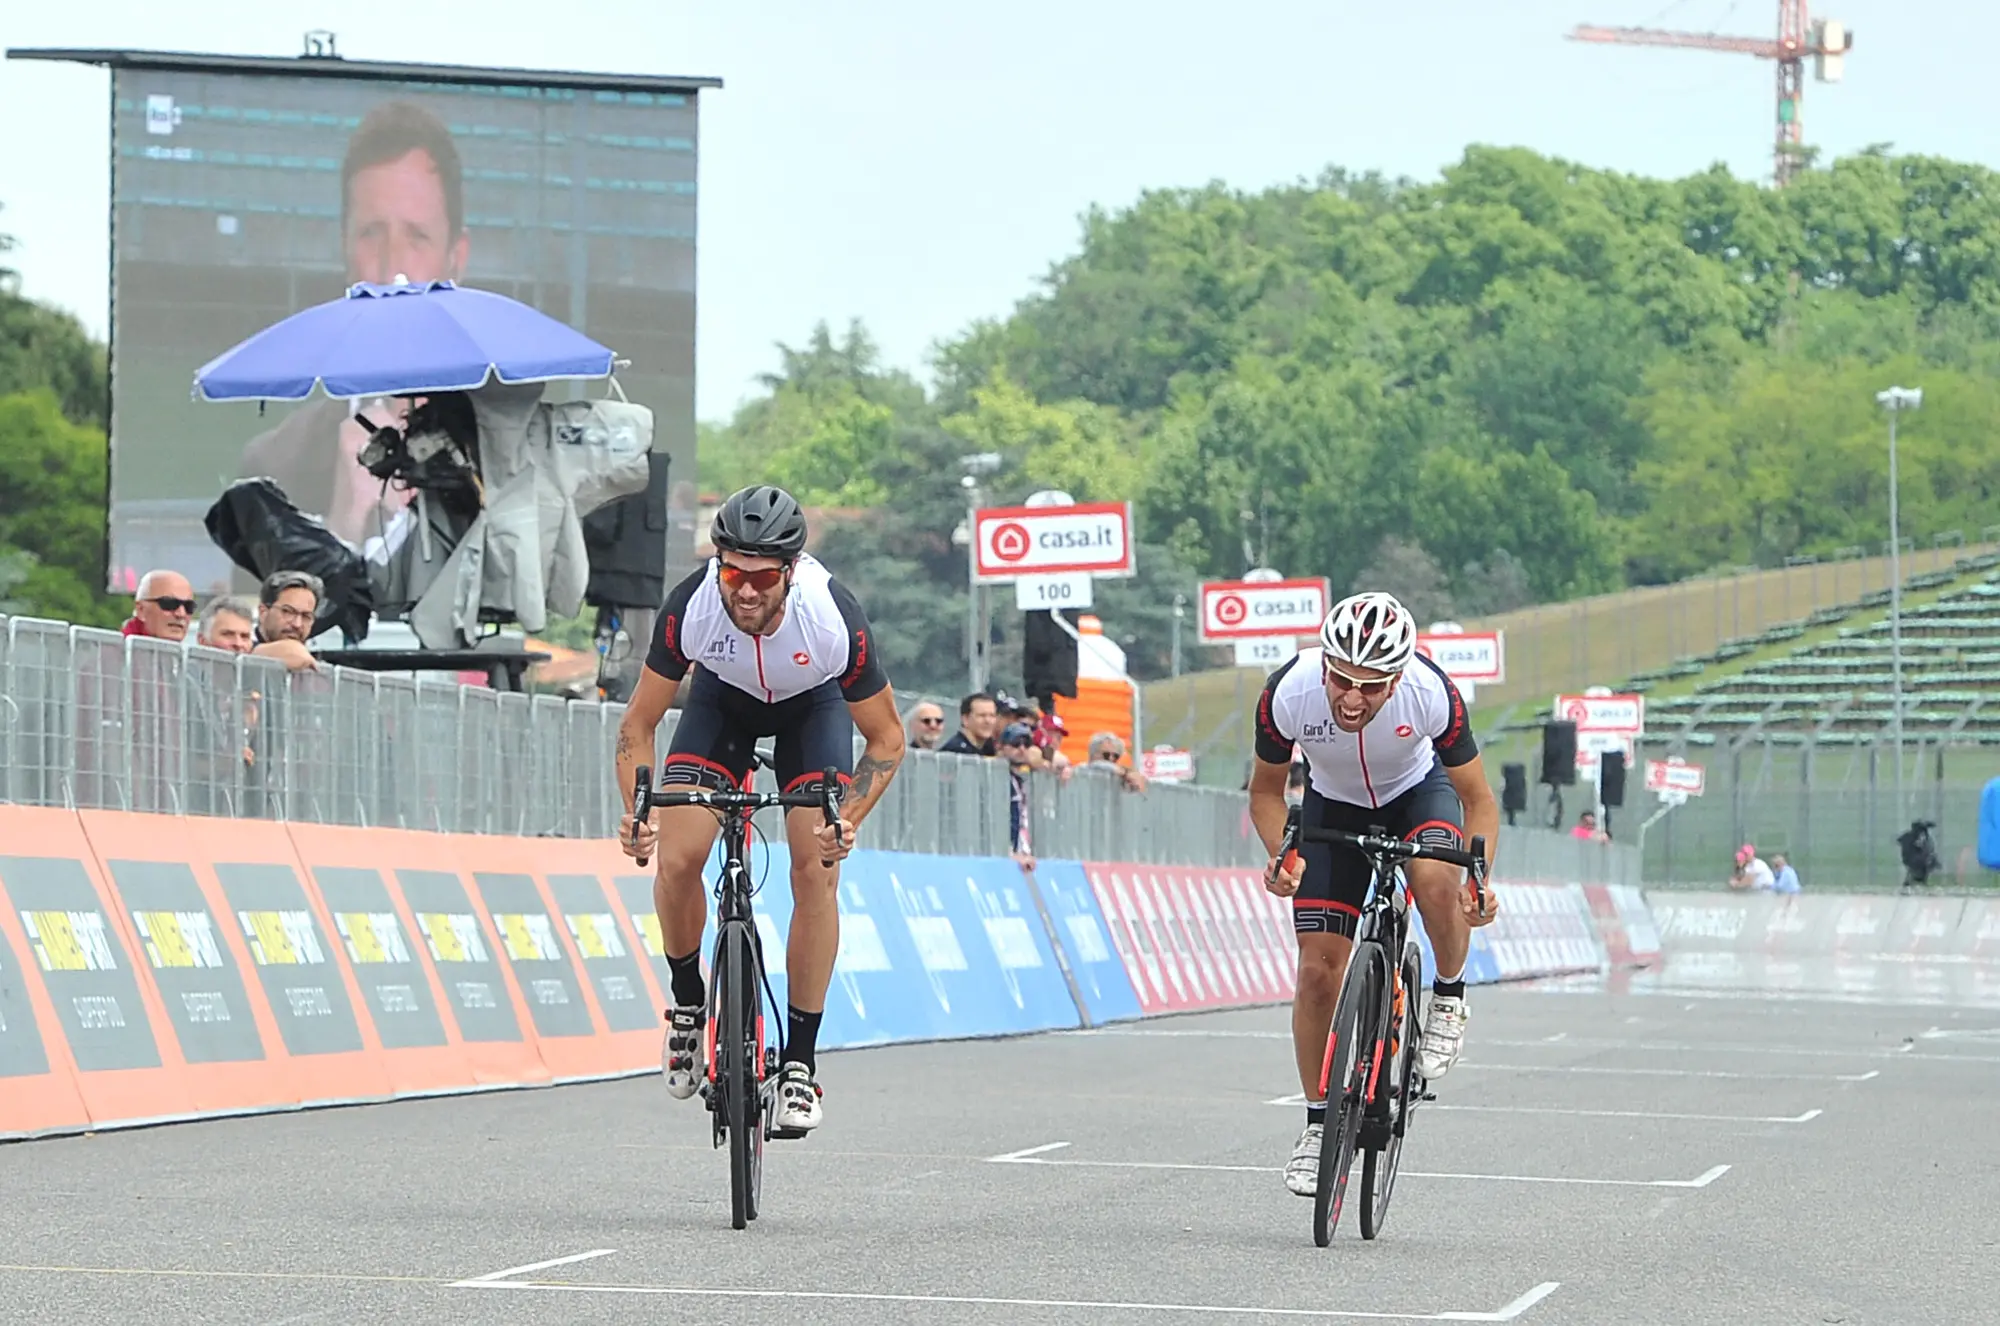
1826	41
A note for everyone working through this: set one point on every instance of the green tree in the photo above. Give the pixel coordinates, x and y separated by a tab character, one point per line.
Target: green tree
52	506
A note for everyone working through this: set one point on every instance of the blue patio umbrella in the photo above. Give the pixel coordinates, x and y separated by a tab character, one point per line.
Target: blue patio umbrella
402	339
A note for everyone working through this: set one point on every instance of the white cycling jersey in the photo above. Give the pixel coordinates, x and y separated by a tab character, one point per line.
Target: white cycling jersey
823	636
1423	725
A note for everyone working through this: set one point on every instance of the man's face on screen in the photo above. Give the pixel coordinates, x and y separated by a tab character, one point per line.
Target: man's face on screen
397	224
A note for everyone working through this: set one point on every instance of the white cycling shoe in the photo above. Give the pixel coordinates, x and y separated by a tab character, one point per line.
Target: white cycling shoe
1302	1170
798	1100
682	1056
1444	1035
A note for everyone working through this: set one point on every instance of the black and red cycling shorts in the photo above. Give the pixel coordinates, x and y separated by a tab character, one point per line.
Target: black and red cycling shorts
1335	883
720	725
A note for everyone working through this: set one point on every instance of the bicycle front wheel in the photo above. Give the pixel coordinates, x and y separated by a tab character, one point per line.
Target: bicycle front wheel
740	1058
1378	1165
1353	1054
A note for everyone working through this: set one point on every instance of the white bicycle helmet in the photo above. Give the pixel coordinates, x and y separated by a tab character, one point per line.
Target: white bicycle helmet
1370	630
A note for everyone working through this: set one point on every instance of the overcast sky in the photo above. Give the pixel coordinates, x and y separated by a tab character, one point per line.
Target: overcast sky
919	165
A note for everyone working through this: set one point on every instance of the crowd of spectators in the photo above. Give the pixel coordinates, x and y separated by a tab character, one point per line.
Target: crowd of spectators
1028	736
277	625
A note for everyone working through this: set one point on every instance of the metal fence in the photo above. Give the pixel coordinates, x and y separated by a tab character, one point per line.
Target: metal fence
91	719
1832	810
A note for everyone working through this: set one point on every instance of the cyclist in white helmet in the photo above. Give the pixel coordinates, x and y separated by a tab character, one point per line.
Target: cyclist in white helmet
1386	742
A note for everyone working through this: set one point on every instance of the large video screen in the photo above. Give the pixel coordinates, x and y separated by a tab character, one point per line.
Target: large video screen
240	199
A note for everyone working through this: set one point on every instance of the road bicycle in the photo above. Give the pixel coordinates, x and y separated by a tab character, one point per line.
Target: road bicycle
1376	1019
741	1075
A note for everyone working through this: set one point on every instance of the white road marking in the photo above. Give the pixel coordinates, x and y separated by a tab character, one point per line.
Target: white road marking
1860	1077
1547	1040
1507	1313
1807	1117
1512	1310
1297	1099
1465	1064
1023	1155
1702	1182
498	1276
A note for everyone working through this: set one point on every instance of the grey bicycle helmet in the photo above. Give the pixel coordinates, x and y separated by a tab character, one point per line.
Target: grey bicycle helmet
760	521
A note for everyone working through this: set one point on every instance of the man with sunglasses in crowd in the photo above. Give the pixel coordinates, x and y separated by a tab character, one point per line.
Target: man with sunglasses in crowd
162	607
778	648
1386	742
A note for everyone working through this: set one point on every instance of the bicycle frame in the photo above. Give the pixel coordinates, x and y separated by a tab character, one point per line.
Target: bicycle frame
736	1089
1373	990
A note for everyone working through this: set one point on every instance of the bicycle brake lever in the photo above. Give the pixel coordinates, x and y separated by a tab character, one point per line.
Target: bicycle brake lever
642	805
829	803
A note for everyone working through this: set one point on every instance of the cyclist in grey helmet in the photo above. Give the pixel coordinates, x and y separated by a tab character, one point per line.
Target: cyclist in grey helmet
777	648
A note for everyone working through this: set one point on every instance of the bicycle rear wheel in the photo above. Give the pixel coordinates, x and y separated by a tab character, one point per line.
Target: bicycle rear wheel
1351	1057
1378	1164
740	1056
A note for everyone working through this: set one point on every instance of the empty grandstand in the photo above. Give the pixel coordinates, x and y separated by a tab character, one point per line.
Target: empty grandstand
1795	726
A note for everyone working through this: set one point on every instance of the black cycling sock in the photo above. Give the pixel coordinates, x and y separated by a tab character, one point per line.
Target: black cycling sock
801	1036
689	992
1315	1114
1449	989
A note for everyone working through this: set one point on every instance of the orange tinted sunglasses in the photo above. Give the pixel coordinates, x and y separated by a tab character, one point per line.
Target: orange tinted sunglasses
1344	683
736	577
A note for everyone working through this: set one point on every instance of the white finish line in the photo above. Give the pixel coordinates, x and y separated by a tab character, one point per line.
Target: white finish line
1037	1156
498	1280
1297	1099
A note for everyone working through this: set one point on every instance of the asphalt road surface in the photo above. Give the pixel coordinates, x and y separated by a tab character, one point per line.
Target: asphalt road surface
1596	1157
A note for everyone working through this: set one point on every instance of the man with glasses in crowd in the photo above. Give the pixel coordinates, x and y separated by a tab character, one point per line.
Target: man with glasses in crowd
926	726
287	604
162	607
778	648
1386	742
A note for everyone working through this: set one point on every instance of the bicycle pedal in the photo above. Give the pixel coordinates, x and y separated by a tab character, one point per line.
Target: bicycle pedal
786	1134
1428	1095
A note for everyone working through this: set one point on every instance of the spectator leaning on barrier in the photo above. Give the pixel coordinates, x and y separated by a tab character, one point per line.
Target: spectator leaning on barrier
978	716
1784	879
1587	830
1107	750
1016	746
925	726
162	607
287	602
229	622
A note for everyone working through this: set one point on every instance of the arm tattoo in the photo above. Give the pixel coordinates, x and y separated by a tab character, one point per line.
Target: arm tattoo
865	771
624	743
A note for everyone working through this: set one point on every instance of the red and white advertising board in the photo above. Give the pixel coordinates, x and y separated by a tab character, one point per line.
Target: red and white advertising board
1248	609
1167	764
1675	775
1476	657
1088	538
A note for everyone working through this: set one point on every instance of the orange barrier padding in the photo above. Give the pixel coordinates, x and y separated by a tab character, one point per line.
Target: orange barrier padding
541	943
445	929
284	935
627	970
101	1017
231	1055
1099	706
632	893
38	1089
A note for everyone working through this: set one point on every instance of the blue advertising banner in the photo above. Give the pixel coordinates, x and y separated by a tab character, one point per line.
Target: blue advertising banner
931	947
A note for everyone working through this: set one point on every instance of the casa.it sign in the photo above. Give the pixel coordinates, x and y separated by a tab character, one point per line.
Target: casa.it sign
1619	715
1089	538
1480	658
1247	609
